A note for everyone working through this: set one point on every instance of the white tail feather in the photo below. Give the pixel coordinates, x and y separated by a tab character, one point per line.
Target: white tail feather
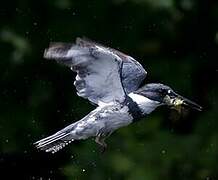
54	142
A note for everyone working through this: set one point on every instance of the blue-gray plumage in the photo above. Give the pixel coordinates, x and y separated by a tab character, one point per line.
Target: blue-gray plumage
110	80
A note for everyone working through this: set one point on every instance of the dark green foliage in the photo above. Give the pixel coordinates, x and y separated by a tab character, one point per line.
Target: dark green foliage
176	41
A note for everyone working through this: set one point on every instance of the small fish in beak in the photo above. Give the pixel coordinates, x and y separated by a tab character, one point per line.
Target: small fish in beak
176	102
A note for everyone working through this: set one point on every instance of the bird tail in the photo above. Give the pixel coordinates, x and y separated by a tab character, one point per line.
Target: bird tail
79	130
54	142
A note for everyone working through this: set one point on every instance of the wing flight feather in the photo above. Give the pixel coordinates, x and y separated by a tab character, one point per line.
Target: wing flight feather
103	74
98	70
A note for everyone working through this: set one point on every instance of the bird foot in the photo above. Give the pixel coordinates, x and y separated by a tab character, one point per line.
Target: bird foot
101	143
103	149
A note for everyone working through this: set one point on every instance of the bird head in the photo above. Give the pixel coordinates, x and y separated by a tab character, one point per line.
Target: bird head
166	96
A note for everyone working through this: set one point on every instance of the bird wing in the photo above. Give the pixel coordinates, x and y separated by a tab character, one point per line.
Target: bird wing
132	73
98	70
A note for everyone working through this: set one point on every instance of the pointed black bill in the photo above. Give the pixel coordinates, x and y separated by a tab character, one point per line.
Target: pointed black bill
191	104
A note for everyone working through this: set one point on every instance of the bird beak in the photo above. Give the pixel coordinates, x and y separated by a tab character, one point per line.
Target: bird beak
191	104
177	101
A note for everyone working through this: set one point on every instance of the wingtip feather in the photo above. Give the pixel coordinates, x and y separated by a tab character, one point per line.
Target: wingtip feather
57	50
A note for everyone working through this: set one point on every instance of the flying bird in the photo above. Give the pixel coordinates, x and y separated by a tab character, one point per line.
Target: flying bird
111	80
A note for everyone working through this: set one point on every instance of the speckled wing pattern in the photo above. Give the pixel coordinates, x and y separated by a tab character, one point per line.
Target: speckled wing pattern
132	73
98	70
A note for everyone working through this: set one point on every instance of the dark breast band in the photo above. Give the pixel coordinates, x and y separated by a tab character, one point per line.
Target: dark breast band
134	109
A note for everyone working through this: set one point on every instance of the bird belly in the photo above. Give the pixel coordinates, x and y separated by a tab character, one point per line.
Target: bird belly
115	118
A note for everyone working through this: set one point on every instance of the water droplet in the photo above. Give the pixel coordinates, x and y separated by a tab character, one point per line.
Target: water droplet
35	23
83	170
163	151
6	140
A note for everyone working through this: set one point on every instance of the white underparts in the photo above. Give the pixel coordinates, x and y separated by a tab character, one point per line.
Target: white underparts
146	105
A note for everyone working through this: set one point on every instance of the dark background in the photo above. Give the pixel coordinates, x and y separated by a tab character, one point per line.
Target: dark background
177	43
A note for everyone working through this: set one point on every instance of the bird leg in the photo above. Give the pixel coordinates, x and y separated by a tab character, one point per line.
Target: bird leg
100	140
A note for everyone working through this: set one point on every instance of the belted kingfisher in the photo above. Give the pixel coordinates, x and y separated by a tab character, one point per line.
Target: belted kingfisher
112	81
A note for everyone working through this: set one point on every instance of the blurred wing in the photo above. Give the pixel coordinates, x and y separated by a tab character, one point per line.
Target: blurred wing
98	70
132	71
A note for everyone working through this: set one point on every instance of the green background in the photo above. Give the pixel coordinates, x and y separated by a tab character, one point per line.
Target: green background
175	40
